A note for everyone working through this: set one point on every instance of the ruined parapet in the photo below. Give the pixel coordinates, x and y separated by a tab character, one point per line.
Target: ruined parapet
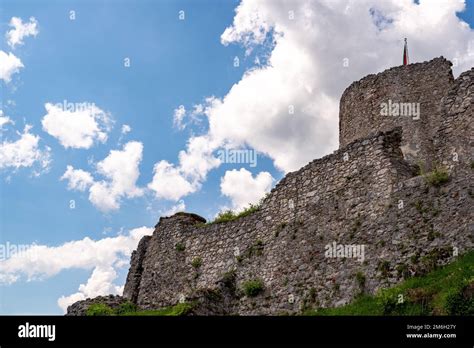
182	218
407	96
159	267
343	177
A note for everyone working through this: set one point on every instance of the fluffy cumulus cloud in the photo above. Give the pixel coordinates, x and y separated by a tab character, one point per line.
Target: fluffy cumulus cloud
175	181
287	108
9	65
20	30
76	125
244	189
24	152
198	159
104	257
168	182
78	179
120	170
250	29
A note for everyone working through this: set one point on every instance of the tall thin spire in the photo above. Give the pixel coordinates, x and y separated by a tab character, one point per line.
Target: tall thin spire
405	53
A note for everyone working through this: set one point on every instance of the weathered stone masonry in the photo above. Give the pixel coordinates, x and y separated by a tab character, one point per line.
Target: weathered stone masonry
365	193
455	136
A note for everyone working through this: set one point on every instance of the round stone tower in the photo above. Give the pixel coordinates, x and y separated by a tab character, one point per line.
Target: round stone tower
408	96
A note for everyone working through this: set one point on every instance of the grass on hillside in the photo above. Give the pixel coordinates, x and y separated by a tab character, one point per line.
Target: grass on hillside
445	291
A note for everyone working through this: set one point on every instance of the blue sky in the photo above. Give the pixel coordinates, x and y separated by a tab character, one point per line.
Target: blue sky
176	62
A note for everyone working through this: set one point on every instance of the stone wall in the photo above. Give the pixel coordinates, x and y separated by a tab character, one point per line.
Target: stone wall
423	84
364	194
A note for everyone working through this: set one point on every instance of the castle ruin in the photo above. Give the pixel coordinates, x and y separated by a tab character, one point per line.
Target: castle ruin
369	195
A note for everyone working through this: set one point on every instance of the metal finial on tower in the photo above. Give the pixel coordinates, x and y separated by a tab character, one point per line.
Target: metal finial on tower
405	53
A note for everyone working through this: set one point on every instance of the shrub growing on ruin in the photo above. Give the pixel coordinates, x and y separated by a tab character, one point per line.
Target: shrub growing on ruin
253	287
228	278
196	262
360	278
180	247
229	215
224	216
384	268
437	177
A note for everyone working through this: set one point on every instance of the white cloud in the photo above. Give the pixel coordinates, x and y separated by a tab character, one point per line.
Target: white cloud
198	159
79	127
4	120
9	65
304	71
21	30
78	179
126	129
121	170
178	117
198	109
100	283
24	152
168	182
42	261
180	206
66	301
173	182
183	118
104	256
250	29
243	189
